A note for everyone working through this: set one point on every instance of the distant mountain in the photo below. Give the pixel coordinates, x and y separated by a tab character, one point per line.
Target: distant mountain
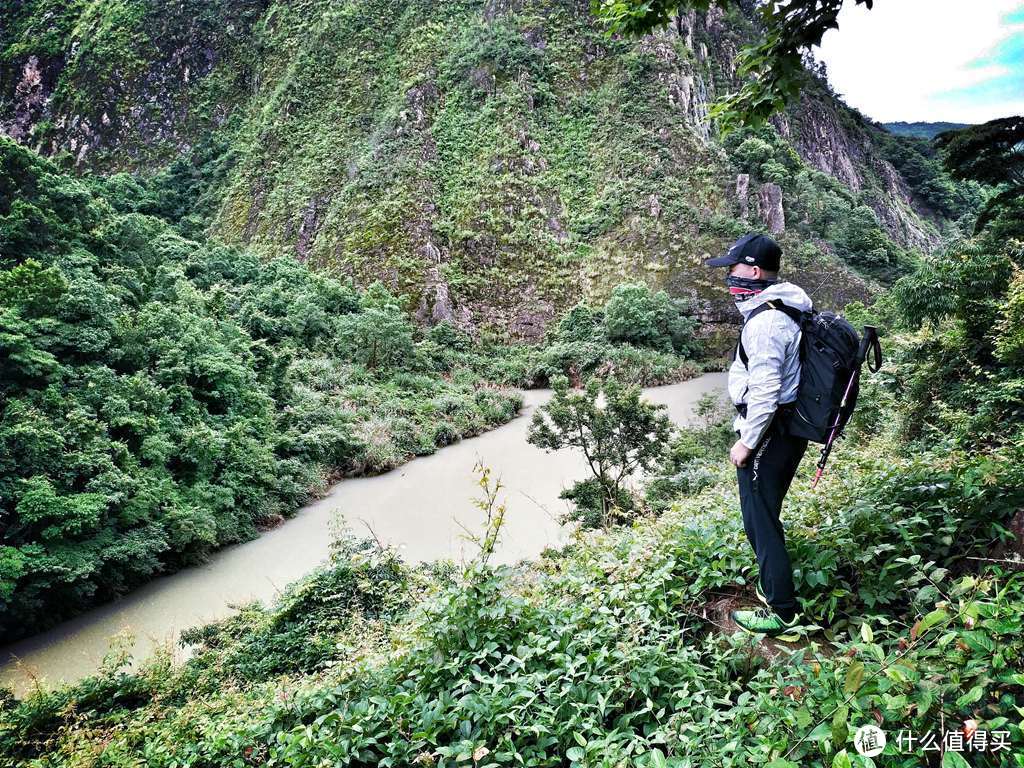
922	130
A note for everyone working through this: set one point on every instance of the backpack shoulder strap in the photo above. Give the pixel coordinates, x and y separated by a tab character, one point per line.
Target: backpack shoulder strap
793	313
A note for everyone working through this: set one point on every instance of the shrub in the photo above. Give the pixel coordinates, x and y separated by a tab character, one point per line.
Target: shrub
302	630
1009	328
380	336
635	315
581	324
618	433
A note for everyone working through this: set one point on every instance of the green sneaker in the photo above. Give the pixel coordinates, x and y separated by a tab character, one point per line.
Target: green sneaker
765	621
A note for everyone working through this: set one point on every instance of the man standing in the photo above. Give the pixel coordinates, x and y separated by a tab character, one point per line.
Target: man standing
763	388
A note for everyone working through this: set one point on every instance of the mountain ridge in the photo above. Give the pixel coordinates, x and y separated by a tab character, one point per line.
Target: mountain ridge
922	129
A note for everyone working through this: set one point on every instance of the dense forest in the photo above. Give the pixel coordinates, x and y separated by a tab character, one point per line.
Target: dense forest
251	247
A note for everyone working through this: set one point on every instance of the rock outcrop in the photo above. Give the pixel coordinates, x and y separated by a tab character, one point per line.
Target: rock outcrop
742	194
842	149
771	208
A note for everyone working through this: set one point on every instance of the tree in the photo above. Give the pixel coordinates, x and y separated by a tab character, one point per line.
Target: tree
619	434
380	335
773	68
991	153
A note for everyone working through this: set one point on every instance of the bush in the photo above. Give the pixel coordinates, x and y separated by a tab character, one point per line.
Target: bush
635	315
581	325
302	631
1009	328
380	336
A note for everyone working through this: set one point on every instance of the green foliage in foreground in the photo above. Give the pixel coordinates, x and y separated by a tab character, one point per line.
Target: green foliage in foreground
609	651
612	650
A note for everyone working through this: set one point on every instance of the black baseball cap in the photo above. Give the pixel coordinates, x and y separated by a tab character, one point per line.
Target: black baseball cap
753	249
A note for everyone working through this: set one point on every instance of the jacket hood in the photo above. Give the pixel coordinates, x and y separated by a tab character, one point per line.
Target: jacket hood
785	291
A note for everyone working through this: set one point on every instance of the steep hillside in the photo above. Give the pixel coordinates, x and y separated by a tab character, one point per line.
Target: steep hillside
494	160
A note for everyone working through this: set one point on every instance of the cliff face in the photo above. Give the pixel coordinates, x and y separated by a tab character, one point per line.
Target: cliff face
495	160
119	83
830	138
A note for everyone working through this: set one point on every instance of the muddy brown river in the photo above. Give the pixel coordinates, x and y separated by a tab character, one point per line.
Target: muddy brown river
419	508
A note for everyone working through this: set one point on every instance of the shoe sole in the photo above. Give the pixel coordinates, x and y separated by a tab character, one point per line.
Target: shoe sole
785	638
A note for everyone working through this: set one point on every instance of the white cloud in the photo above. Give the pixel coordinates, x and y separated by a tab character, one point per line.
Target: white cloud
900	60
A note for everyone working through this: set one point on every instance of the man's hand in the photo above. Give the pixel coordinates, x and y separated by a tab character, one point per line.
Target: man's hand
739	454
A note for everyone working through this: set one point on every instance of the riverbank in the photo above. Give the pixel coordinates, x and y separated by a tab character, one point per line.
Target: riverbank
420	508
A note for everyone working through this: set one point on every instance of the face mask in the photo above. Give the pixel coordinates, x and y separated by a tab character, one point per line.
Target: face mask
742	288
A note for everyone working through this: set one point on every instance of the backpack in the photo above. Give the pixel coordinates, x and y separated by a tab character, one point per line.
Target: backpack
831	355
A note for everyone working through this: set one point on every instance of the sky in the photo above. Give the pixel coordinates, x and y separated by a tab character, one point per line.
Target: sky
931	60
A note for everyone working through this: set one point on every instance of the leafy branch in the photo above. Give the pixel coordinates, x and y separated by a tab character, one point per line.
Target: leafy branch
772	68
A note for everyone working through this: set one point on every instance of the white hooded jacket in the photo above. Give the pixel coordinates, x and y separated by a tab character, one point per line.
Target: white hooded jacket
772	343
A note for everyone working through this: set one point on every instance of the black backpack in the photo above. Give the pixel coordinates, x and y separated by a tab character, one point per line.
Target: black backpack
831	355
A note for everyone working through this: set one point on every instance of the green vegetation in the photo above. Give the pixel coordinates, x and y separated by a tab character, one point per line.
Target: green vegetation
619	434
692	458
638	336
387	195
991	153
920	165
634	315
821	209
612	649
105	99
163	398
771	69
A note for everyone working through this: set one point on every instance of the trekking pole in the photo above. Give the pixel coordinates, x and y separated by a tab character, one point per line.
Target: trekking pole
869	341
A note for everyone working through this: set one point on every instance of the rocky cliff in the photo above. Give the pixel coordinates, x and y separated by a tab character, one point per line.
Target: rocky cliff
494	160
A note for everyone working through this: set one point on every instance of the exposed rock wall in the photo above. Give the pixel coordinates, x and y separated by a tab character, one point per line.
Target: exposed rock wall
771	208
494	161
841	148
131	96
31	94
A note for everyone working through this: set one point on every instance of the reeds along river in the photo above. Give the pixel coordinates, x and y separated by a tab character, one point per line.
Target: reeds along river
419	508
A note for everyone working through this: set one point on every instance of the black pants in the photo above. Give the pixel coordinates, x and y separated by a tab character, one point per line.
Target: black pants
763	484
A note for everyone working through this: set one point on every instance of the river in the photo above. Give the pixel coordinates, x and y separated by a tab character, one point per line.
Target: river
417	507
